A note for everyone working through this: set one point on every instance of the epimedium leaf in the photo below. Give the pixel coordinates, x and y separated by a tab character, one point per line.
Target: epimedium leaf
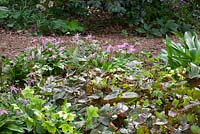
27	92
122	107
29	122
194	71
112	95
50	126
128	95
39	128
195	129
143	130
66	128
92	111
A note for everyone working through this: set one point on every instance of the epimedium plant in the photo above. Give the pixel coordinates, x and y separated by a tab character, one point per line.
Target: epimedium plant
82	87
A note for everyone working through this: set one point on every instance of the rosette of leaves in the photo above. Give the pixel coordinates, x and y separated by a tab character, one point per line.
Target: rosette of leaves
185	54
182	54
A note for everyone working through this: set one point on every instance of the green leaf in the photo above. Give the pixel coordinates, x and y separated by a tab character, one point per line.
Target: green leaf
50	126
92	112
66	128
140	30
39	128
112	95
156	32
195	129
29	122
27	92
171	25
143	130
2	123
39	114
194	71
189	40
128	95
68	116
4	12
147	27
15	127
175	102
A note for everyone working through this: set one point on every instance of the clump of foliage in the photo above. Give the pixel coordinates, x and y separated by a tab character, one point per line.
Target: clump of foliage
185	54
82	87
61	17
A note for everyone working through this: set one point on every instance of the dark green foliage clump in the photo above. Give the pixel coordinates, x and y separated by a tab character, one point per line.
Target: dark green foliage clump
154	18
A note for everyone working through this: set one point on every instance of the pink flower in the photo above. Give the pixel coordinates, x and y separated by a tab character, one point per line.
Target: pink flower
56	41
14	89
53	57
17	113
131	49
31	82
42	40
43	47
50	49
91	56
31	74
24	101
62	48
76	37
89	36
59	42
3	111
29	58
34	40
124	45
109	49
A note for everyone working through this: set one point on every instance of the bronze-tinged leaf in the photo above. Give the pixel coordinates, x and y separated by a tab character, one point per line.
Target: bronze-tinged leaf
194	82
89	88
119	121
143	130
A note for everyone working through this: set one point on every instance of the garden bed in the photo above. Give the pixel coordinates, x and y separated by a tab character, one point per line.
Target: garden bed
79	86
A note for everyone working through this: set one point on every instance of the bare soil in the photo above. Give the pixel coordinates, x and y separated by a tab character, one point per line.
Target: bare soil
14	43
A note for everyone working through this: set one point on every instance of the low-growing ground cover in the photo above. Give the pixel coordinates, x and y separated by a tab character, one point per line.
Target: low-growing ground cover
81	87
